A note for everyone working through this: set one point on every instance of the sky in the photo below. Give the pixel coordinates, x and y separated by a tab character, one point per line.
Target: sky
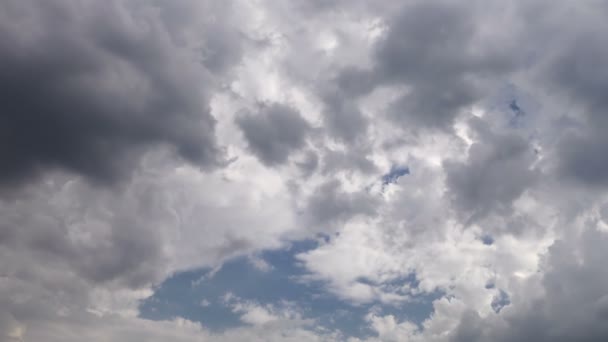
303	170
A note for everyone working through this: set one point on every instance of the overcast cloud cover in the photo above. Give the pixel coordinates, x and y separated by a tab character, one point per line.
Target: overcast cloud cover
386	170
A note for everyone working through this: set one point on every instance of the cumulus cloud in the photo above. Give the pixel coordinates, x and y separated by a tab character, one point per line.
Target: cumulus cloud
436	152
88	87
572	306
499	168
274	133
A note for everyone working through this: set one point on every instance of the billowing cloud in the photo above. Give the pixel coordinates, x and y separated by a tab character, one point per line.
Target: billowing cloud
499	168
187	170
88	87
572	307
274	133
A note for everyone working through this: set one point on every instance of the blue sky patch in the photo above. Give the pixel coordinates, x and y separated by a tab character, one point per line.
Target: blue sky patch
487	240
517	114
394	174
200	295
501	300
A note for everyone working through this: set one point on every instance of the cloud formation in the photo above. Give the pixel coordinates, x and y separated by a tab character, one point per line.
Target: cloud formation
444	157
106	83
274	133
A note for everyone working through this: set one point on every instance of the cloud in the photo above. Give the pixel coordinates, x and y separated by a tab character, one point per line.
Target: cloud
144	144
330	205
436	53
255	314
69	247
12	331
274	132
103	85
572	306
343	118
497	171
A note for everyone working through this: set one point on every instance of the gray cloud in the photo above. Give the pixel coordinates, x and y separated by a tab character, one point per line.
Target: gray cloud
88	87
497	171
309	164
97	91
330	206
117	250
273	132
432	48
343	118
9	328
350	161
578	73
65	244
583	157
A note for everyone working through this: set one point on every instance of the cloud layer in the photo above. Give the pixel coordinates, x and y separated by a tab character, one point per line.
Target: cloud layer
440	156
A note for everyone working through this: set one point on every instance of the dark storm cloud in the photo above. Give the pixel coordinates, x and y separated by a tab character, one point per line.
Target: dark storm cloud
273	132
88	87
